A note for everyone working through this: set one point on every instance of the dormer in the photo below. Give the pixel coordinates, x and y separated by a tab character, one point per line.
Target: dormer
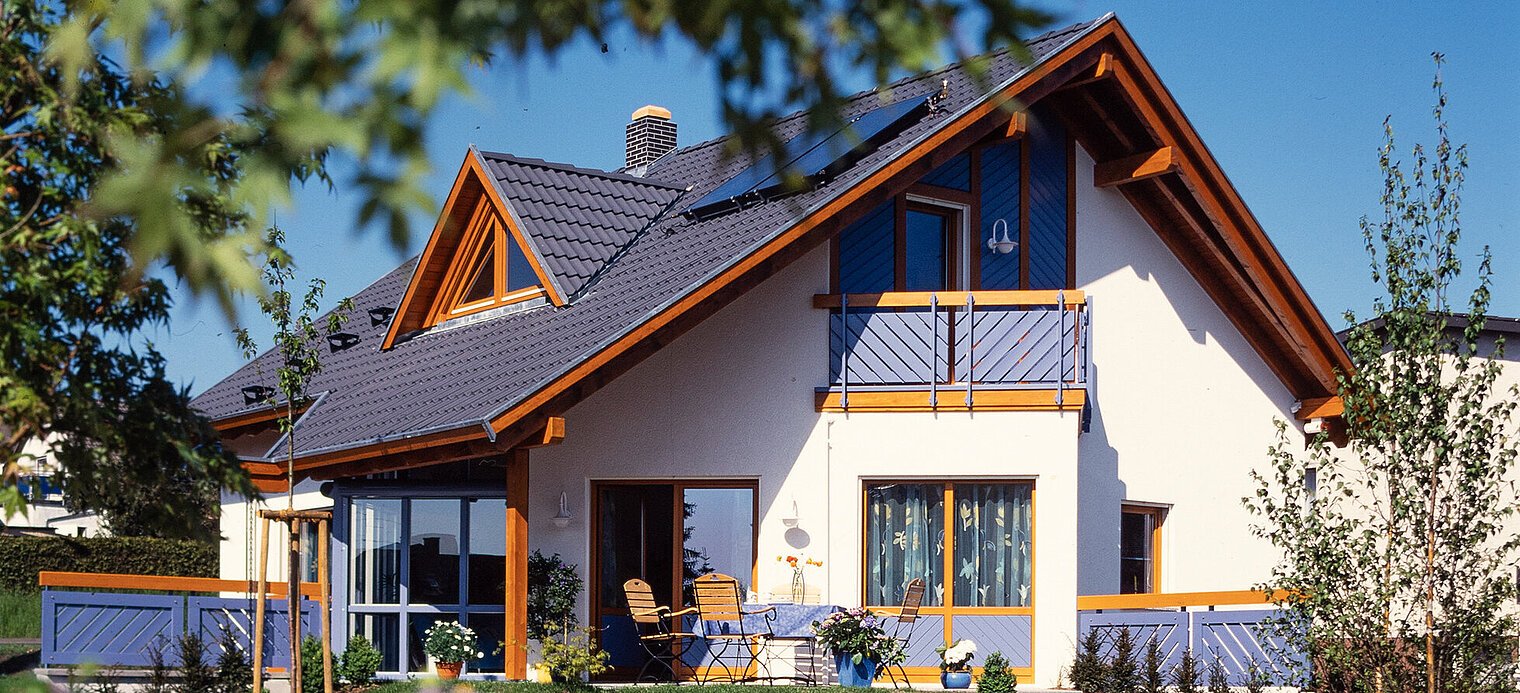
523	232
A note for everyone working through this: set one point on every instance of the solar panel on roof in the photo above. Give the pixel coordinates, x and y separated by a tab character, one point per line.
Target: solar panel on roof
813	156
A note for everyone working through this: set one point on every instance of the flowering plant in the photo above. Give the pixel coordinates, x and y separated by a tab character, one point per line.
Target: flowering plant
448	641
799	588
858	633
956	656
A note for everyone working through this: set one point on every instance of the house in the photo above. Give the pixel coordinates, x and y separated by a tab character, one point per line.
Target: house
1018	336
46	513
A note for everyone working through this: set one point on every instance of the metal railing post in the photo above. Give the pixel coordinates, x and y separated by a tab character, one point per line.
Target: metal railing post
970	345
934	350
1061	350
844	352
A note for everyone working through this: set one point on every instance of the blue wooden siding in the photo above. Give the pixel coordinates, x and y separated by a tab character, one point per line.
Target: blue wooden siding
110	629
1237	638
1047	202
955	173
999	200
929	634
867	253
1013	635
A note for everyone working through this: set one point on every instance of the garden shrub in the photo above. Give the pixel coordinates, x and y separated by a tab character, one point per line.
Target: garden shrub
234	673
1185	676
195	675
571	653
1219	680
552	586
1151	678
311	664
359	662
21	558
1089	673
996	676
1123	671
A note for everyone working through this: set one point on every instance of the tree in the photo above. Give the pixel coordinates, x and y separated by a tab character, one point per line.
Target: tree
74	369
1396	568
361	78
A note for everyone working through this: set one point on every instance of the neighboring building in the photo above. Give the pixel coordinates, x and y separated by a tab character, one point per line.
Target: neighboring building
46	513
1019	337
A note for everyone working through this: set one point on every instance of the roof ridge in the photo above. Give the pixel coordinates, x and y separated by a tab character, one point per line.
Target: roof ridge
852	98
571	168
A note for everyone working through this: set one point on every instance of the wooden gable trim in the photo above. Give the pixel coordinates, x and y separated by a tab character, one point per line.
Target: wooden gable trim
474	193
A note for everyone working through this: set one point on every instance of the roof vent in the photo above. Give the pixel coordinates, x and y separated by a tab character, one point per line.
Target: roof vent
338	341
651	135
255	394
379	316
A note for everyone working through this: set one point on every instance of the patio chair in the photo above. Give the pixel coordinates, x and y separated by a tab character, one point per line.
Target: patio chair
659	629
903	623
721	613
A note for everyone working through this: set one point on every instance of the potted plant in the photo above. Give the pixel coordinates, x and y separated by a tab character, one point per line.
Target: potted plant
859	644
955	663
450	645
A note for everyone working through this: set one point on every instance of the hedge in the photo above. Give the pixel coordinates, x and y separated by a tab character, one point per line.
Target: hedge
22	557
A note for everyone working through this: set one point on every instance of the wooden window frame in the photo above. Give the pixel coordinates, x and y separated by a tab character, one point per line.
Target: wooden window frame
485	226
1157	514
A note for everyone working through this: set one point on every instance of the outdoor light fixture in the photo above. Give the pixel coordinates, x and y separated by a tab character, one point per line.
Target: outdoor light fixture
790	519
563	518
1004	245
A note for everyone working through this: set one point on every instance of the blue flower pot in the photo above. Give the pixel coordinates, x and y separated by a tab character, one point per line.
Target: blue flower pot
855	675
955	679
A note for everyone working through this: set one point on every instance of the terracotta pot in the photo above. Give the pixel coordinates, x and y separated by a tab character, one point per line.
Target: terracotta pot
449	671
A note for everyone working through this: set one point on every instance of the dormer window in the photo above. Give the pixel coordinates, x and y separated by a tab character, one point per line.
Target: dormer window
498	272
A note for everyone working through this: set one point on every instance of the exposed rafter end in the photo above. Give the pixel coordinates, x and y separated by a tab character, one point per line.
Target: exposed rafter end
553	433
1017	125
1104	69
1138	167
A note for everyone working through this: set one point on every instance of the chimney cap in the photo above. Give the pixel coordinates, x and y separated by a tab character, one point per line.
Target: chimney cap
651	110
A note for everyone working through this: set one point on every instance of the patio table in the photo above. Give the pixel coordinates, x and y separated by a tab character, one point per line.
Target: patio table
789	623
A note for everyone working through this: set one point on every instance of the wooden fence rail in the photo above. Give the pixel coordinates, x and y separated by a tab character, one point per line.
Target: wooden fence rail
165	583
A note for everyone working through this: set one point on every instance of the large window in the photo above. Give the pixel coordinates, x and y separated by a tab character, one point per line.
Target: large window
1139	549
987	549
416	561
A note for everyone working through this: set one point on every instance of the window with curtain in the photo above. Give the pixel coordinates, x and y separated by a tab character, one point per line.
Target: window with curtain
992	540
905	539
990	531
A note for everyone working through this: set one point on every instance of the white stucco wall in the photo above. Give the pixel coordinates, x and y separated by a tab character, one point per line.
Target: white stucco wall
239	549
1184	407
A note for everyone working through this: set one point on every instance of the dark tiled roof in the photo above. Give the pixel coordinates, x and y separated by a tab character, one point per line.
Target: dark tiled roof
463	375
577	218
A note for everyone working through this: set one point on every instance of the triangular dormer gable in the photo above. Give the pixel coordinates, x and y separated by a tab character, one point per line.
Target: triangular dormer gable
517	229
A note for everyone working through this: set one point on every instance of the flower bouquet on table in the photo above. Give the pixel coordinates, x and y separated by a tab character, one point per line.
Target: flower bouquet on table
450	645
859	644
955	663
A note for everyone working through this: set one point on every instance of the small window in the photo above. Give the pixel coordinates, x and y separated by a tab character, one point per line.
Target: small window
1139	549
498	271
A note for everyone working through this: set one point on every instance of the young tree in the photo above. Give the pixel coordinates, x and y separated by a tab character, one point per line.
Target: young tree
1396	569
75	370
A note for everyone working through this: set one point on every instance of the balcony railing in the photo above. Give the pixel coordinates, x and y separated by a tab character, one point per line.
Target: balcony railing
950	343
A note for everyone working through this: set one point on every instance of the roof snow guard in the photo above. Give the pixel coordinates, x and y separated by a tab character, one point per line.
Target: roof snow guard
815	157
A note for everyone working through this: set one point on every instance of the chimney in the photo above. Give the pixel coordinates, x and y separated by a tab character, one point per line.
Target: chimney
651	135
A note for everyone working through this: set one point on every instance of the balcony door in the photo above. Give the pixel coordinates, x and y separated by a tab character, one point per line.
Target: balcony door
666	534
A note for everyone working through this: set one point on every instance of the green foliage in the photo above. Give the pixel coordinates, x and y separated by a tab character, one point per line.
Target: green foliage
311	664
195	674
22	557
359	662
1151	678
996	676
1397	570
1089	672
234	671
75	368
552	588
1123	671
448	641
361	79
1258	678
21	612
1185	676
158	670
571	653
1219	679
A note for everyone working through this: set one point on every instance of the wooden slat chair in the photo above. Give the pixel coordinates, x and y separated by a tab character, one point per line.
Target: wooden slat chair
903	623
659	629
721	613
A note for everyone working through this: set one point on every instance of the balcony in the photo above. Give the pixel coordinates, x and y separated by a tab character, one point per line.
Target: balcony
956	350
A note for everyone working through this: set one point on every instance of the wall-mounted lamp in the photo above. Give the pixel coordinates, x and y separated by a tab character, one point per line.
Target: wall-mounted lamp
563	518
1004	245
790	520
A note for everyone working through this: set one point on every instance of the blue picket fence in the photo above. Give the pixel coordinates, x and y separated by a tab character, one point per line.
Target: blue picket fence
1238	639
114	629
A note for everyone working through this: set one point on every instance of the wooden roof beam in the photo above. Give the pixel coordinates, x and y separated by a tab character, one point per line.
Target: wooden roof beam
1103	70
1136	167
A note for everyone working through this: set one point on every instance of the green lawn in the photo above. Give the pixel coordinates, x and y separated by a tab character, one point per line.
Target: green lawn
20	614
518	687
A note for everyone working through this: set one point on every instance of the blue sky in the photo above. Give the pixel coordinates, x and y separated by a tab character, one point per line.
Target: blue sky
1289	96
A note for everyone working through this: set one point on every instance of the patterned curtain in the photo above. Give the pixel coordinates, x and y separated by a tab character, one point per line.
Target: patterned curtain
992	558
906	534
